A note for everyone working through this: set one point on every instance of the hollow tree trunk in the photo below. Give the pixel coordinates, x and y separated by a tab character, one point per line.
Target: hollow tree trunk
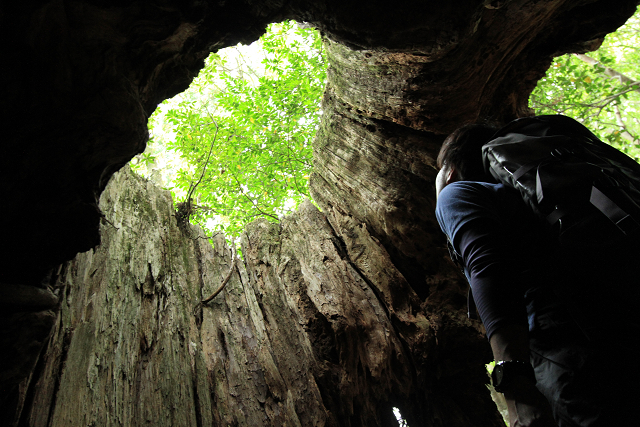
316	327
333	317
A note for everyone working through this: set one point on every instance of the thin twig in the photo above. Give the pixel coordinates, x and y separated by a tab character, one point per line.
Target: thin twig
204	167
226	279
609	71
255	205
206	237
625	133
109	222
205	208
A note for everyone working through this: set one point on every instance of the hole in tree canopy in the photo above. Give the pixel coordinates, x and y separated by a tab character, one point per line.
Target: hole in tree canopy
238	141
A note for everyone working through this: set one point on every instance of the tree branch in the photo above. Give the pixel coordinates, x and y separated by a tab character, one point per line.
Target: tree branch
206	237
104	218
625	133
255	205
226	279
609	71
204	167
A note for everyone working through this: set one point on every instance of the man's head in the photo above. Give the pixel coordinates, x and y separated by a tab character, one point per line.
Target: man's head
460	158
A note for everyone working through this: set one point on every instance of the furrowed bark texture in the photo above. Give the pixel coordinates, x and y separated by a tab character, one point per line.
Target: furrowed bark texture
316	327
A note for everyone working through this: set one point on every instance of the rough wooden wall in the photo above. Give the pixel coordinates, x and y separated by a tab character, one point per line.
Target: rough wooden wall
316	327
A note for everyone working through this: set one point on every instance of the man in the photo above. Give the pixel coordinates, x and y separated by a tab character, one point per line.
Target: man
557	323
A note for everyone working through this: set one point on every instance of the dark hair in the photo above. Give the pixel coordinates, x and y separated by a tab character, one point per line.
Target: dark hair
462	150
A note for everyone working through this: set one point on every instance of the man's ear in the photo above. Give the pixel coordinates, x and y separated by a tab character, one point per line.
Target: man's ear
452	175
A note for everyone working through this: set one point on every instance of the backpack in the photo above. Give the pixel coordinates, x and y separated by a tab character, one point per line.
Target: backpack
587	192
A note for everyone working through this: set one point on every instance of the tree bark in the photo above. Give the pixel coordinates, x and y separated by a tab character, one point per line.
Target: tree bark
315	327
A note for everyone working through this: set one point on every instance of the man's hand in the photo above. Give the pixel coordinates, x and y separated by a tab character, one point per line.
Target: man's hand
527	406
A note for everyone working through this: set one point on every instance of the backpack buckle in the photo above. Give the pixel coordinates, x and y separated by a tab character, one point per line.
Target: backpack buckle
628	225
561	152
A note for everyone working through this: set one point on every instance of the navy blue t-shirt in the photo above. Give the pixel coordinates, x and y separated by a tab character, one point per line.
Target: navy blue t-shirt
496	235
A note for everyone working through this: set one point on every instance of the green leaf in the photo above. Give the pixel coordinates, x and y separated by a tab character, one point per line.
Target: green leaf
591	95
249	108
